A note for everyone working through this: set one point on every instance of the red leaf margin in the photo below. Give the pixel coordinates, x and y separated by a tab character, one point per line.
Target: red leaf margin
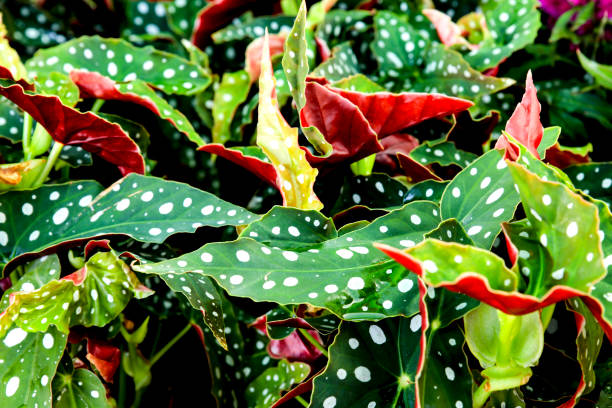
71	127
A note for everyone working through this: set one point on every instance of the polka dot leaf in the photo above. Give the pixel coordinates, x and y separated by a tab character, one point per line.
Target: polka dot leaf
91	296
180	15
232	92
290	228
202	295
371	365
588	343
11	121
442	153
145	19
557	219
377	190
513	25
450	230
481	197
145	208
269	385
407	60
79	387
29	360
121	62
341	26
594	179
345	275
76	156
431	190
342	64
279	141
253	29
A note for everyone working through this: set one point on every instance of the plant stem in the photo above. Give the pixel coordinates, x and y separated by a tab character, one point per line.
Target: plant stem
97	105
25	138
138	398
480	395
314	342
301	401
122	383
169	345
55	151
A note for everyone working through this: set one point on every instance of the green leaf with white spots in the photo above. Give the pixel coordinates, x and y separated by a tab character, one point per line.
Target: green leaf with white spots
253	29
290	228
146	20
78	389
450	230
34	274
371	364
512	27
59	84
202	295
76	156
377	190
121	62
342	64
588	342
162	108
445	380
145	208
481	197
549	139
232	92
358	83
565	227
594	179
91	296
443	153
268	387
407	60
180	15
11	121
29	360
345	275
431	190
341	26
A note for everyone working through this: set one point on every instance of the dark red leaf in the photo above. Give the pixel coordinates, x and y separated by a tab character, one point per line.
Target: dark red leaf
414	170
392	145
71	127
562	159
323	49
218	13
341	123
389	113
524	125
104	356
477	287
294	348
260	168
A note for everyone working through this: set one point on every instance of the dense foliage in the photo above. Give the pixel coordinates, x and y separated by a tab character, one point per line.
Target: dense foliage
330	204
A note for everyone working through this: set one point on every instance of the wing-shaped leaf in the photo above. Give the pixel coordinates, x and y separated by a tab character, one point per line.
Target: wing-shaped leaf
431	190
71	127
145	208
481	197
279	142
342	64
374	191
80	388
444	153
594	179
253	29
344	275
120	61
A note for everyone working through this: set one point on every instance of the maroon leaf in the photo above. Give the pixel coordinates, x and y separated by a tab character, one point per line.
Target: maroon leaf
394	144
71	127
104	356
389	113
562	159
218	13
524	125
414	170
477	287
342	124
263	170
323	49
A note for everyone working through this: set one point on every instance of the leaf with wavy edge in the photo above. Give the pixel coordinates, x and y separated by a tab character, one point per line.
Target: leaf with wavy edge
344	275
279	142
71	127
146	208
